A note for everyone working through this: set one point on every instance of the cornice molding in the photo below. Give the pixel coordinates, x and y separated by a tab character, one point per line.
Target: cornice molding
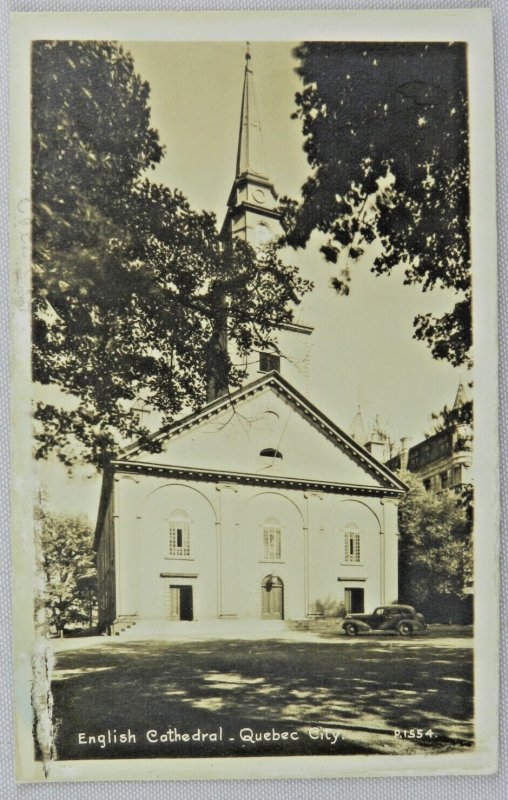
253	479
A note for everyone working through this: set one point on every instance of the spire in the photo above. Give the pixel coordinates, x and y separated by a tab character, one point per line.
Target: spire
250	159
377	433
357	429
252	212
461	397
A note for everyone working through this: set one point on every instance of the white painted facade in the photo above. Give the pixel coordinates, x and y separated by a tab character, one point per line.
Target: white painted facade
210	479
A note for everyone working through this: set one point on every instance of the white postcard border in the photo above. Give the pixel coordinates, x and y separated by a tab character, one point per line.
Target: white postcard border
471	26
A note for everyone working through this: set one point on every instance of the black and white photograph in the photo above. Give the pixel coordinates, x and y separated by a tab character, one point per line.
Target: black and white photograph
255	495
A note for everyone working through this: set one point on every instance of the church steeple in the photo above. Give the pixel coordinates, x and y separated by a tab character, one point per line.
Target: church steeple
252	216
251	213
250	160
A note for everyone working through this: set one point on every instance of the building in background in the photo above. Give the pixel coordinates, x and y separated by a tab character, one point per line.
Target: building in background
374	438
442	461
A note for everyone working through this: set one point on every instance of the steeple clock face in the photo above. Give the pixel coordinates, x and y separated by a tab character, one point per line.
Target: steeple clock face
258	195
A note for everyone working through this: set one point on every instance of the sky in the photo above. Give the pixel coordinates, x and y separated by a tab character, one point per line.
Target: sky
363	353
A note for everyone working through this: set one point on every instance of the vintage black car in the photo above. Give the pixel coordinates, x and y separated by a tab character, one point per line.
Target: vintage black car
398	619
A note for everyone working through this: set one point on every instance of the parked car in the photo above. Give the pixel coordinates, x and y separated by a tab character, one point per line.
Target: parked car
399	619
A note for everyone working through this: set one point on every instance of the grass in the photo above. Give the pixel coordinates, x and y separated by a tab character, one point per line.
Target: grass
356	691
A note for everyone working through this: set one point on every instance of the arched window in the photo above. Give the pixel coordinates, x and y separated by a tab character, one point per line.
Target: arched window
179	534
352	544
270	452
272	540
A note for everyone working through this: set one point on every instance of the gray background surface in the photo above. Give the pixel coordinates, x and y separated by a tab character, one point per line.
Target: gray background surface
422	788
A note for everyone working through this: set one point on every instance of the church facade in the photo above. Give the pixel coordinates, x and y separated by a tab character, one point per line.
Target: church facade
257	506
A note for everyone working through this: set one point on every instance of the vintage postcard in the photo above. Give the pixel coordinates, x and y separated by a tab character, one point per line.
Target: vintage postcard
255	491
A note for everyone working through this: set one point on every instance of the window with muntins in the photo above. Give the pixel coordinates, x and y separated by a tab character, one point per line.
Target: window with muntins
179	538
272	543
269	362
352	546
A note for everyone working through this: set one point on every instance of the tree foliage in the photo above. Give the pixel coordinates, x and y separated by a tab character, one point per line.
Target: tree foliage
129	283
449	418
457	420
435	553
386	135
67	561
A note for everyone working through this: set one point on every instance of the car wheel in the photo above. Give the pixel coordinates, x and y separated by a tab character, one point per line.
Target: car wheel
351	629
405	629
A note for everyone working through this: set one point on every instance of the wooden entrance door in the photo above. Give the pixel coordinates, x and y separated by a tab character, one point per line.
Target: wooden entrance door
180	603
354	601
272	598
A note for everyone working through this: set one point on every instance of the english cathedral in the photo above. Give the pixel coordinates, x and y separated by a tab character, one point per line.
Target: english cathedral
271	513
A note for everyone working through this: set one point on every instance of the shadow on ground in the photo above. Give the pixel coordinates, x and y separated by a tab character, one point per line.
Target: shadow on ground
330	700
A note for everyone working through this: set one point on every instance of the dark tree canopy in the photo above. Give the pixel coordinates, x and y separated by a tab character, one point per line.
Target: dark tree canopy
129	283
386	135
435	550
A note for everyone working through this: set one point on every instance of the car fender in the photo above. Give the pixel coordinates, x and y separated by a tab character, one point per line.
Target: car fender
359	623
415	625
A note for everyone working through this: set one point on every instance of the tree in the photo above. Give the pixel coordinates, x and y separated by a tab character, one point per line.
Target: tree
66	557
386	135
435	554
452	417
129	282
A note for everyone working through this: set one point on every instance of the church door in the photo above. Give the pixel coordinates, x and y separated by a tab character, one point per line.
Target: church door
354	601
272	598
180	603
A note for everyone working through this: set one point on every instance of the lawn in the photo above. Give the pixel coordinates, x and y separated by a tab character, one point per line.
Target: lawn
342	697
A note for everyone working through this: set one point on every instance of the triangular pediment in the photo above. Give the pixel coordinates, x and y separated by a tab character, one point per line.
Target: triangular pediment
270	430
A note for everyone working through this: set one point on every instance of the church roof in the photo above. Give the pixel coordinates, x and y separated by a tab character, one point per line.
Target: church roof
282	387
